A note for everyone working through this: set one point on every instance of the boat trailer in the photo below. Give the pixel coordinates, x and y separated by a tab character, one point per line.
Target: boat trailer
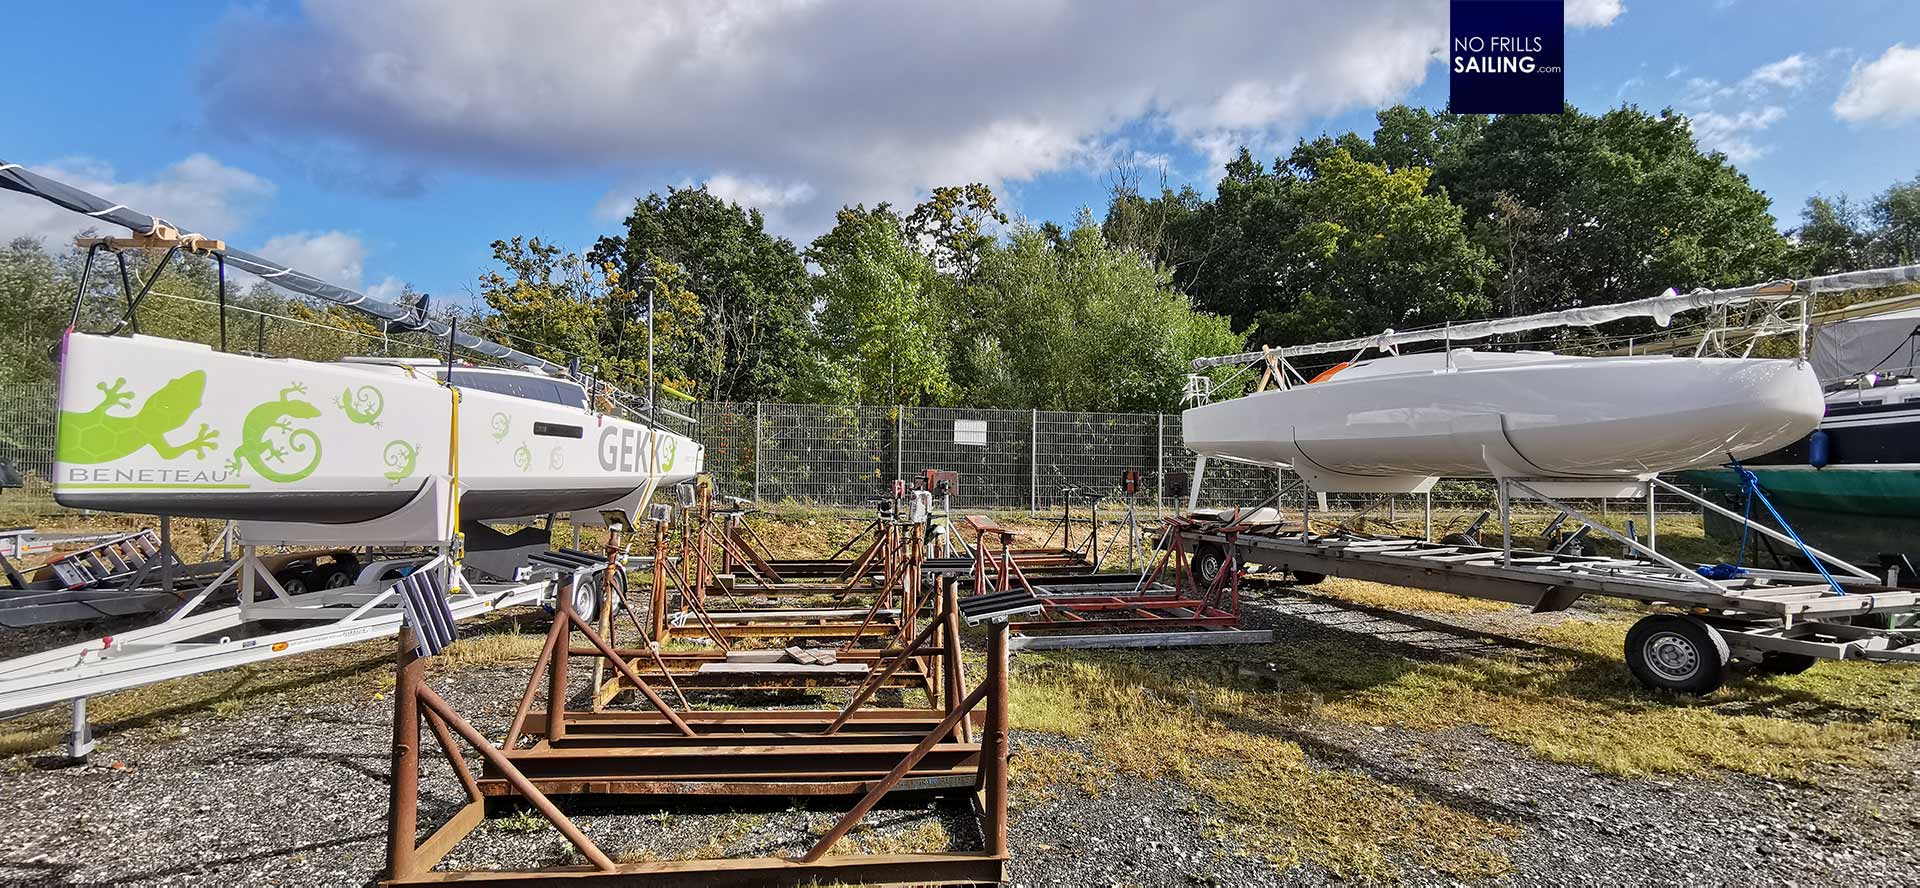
1782	621
268	621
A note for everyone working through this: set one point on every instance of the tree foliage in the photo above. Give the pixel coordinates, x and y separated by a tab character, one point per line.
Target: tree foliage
879	325
752	287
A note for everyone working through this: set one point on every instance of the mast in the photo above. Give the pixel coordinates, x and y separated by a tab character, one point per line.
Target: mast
15	177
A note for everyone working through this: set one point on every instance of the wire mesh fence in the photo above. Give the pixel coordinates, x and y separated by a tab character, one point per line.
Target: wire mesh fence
839	455
27	442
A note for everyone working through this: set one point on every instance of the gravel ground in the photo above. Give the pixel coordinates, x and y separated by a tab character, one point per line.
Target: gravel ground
293	793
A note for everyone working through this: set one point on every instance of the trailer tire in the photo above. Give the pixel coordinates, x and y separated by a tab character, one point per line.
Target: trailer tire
1458	539
587	599
1784	663
1208	560
1677	652
1307	578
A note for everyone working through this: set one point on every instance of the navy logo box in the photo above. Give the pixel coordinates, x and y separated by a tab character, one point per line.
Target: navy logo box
1506	57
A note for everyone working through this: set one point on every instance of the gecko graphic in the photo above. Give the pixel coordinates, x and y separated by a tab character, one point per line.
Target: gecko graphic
672	453
400	458
362	405
256	450
96	437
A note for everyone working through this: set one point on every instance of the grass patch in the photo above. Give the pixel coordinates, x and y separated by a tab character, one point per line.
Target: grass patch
525	820
1149	722
1385	597
1581	707
1037	773
928	836
506	648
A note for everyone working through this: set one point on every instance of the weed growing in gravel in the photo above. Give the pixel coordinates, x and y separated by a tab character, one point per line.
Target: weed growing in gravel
1151	722
525	820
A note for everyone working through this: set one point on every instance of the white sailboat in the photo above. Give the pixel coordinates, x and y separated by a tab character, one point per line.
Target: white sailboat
1397	423
158	426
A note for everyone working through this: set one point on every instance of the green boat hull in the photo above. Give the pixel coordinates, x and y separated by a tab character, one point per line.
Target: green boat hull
1891	491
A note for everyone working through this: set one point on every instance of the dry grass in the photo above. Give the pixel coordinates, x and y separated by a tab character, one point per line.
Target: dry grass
928	836
1150	722
1398	598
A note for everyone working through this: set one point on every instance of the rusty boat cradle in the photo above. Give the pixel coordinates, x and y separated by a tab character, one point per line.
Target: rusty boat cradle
555	752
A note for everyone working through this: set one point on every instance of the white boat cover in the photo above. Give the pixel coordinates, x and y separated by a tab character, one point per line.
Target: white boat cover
1885	342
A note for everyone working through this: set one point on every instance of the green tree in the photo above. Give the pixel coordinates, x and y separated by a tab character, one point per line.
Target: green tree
1830	237
1373	249
951	225
1082	325
882	338
752	286
561	305
1627	206
1896	218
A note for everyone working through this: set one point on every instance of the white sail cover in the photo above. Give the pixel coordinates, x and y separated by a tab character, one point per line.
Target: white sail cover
1660	308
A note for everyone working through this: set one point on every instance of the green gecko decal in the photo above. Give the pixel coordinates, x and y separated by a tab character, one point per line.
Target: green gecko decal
363	405
556	458
256	450
672	453
95	437
523	458
400	457
501	422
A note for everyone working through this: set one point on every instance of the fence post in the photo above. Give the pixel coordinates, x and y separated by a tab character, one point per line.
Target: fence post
1033	464
899	442
1159	461
756	449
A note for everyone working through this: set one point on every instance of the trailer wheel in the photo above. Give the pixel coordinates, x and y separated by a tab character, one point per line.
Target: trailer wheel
1307	578
1208	560
1458	539
1784	663
586	598
1678	653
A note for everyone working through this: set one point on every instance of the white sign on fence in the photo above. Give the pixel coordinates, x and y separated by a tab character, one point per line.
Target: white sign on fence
970	431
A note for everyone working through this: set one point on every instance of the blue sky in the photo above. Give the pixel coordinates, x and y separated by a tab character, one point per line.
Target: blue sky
375	143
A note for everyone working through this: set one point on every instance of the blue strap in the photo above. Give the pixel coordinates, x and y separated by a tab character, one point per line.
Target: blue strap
1752	483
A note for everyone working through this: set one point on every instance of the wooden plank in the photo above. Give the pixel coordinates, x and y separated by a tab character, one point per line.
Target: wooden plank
783	669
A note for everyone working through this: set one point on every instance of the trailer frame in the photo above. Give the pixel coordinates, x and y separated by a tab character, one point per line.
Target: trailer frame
1783	619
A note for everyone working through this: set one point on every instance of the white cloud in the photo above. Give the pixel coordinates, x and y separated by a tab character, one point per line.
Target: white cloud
389	289
1886	89
336	257
197	193
1733	133
1790	73
1593	13
813	103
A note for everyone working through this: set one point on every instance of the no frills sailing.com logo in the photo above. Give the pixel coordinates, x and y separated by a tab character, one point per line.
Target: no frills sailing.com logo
1505	57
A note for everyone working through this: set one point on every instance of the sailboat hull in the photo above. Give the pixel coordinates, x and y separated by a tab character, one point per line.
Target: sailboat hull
157	426
1529	415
